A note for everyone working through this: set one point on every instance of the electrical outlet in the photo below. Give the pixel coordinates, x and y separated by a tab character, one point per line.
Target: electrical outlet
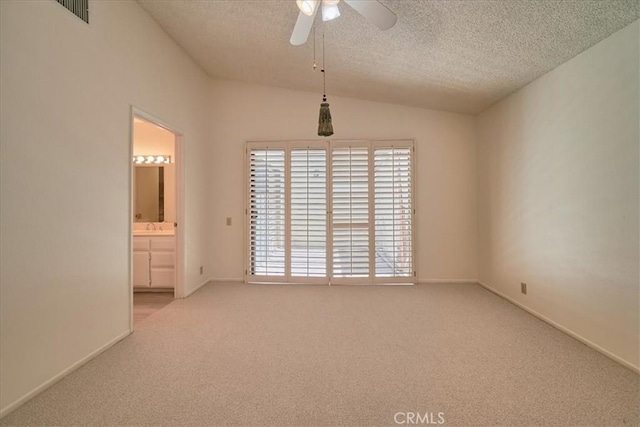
201	270
228	220
523	288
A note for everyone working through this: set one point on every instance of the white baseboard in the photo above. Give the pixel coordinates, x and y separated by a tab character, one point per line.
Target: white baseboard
197	287
452	281
42	387
567	331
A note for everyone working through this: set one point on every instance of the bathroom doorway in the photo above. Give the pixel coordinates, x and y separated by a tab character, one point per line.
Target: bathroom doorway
156	210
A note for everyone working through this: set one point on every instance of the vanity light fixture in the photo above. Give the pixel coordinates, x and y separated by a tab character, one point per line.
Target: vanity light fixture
151	159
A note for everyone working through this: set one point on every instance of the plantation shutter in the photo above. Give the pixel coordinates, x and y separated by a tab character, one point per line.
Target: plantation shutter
350	219
393	211
267	206
330	212
309	212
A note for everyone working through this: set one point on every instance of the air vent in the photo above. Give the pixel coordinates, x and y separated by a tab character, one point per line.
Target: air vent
80	8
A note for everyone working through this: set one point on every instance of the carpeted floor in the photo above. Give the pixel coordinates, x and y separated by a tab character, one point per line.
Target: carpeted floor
235	354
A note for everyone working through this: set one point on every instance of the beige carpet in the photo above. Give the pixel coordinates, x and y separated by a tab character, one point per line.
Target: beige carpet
235	354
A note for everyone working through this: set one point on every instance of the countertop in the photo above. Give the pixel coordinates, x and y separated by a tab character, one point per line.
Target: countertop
153	232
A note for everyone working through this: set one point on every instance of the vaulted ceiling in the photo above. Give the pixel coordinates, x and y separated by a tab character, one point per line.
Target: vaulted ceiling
450	55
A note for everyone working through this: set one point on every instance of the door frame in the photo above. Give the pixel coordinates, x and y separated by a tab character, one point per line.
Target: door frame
179	289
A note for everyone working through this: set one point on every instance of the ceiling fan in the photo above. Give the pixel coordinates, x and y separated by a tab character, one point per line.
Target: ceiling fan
373	10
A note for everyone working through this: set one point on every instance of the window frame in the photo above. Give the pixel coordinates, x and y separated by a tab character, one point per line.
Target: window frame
328	146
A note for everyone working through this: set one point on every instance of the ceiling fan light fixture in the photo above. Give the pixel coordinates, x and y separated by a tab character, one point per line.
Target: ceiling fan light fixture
307	6
330	11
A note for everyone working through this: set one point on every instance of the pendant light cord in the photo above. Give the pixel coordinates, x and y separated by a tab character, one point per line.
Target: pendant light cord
324	81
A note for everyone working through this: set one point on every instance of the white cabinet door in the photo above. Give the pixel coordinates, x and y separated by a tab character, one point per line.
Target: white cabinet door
163	262
141	269
154	262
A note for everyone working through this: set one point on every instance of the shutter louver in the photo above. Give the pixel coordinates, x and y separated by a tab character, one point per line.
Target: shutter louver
393	212
350	196
80	8
308	212
267	212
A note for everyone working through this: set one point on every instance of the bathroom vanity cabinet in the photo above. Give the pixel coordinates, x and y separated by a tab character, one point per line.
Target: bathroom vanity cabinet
154	262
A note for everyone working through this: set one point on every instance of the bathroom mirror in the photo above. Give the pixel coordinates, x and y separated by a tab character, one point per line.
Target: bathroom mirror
148	199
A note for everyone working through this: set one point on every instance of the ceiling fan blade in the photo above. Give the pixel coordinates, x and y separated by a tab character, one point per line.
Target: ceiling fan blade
375	12
303	28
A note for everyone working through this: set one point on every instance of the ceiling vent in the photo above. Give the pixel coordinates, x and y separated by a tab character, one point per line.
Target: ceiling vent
80	8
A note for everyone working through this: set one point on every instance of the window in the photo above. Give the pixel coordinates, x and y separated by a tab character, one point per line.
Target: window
267	212
338	212
350	196
308	212
393	211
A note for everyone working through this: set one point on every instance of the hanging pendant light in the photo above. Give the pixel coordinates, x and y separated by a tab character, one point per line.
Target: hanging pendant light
325	127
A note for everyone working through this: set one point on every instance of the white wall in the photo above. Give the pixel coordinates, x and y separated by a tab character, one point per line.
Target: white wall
445	164
559	196
64	176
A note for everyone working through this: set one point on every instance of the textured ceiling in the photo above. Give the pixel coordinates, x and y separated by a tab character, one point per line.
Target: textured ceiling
450	55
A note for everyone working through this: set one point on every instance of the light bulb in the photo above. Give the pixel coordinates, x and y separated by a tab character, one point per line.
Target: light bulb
307	6
151	159
330	11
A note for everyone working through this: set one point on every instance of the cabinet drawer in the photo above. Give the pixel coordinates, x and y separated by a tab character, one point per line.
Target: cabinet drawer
163	244
140	243
162	278
162	259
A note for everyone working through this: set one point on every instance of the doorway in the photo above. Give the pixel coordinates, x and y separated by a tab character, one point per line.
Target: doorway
156	247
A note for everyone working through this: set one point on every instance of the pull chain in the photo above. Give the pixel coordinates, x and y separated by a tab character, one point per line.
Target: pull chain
314	49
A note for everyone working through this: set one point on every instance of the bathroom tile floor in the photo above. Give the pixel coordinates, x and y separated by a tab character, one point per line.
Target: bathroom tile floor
147	303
